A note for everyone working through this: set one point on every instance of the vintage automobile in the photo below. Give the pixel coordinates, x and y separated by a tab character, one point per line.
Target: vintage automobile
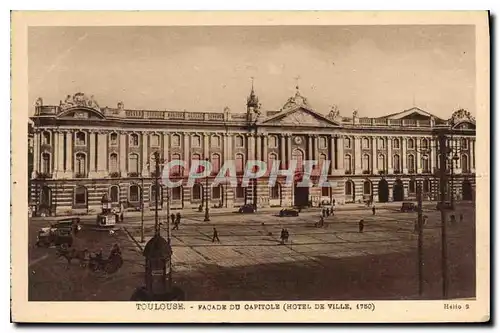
408	207
288	212
107	219
246	209
60	233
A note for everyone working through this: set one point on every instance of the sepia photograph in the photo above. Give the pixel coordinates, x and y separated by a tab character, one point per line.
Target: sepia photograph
259	168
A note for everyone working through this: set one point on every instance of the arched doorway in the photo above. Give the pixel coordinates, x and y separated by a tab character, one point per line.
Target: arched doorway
45	198
218	195
383	191
152	199
467	190
398	192
350	191
301	194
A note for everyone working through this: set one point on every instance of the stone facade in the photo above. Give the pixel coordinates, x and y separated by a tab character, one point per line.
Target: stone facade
82	151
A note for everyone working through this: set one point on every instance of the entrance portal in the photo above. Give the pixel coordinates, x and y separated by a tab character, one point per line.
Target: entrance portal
466	190
383	191
398	192
300	196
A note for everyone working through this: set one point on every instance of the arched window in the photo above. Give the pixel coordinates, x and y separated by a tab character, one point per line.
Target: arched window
322	163
425	163
349	187
80	139
133	163
347	143
176	170
80	195
134	193
273	141
240	192
113	139
154	190
238	141
113	162
464	162
411	186
348	163
271	160
381	162
239	164
81	164
154	140
367	187
424	143
395	143
134	140
176	140
46	138
426	186
411	163
215	140
381	143
464	143
410	143
195	141
299	157
217	192
194	160
322	142
46	163
275	191
366	162
177	193
215	163
396	163
114	194
197	192
366	143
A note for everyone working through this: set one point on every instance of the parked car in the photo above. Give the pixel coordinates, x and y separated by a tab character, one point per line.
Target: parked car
445	205
60	233
408	207
246	209
289	212
68	223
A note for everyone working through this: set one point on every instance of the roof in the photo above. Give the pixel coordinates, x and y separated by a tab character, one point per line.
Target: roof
157	247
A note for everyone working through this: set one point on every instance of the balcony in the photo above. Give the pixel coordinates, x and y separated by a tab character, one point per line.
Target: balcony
133	174
114	174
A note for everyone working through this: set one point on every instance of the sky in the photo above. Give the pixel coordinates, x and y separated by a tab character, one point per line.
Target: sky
376	70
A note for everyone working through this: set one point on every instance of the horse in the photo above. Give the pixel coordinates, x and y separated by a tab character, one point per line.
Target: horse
69	255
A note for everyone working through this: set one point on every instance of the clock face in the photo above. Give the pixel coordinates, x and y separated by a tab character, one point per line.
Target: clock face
298	140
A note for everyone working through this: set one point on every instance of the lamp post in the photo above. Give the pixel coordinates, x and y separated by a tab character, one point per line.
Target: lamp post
207	214
442	185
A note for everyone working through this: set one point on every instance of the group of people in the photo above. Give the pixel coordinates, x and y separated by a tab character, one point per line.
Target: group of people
176	220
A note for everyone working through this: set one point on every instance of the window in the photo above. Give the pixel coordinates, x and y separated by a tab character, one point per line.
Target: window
46	163
80	195
424	143
347	163
410	143
426	186
464	161
381	162
152	198
155	140
133	163
271	159
238	141
215	140
176	140
366	162
176	170
411	163
195	158
348	187
366	143
113	162
46	138
347	143
299	157
240	192
113	139
80	165
177	193
425	163
216	192
396	163
215	163
196	141
322	163
322	142
134	140
45	197
239	163
325	191
197	192
463	143
381	143
273	141
275	191
411	186
114	194
134	193
367	187
80	139
395	143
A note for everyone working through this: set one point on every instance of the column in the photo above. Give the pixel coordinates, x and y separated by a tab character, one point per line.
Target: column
340	153
315	150
224	140
123	154
69	154
55	152
473	154
357	156
309	147
59	160
36	153
145	158
92	155
187	157
390	168
259	148
418	155
230	147
433	154
333	156
251	147
206	148
166	145
266	143
374	155
289	147
102	157
403	156
282	149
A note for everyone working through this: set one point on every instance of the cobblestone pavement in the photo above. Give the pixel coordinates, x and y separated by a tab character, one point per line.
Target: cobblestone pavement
334	262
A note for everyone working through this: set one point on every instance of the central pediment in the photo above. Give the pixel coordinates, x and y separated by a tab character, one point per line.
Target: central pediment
300	117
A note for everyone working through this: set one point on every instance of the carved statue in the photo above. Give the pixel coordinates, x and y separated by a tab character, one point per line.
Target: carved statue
461	115
355	113
334	112
120	106
39	101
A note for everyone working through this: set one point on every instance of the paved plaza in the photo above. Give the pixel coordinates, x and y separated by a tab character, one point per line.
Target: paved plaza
333	262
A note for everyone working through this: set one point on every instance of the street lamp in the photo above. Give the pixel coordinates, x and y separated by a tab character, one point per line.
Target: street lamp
207	214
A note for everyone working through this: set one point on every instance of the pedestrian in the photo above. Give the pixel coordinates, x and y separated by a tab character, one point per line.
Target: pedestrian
415	226
373	209
176	226
361	225
178	218
122	210
327	212
172	218
321	221
323	212
282	236
215	236
286	235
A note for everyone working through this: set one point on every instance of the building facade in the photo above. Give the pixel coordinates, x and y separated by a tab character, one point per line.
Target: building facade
82	151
